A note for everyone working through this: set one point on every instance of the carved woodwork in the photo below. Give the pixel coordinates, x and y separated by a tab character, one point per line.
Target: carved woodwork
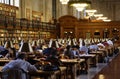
87	29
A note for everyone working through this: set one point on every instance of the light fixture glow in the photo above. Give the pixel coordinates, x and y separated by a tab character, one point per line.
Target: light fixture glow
91	12
80	7
101	18
106	20
79	4
64	1
98	15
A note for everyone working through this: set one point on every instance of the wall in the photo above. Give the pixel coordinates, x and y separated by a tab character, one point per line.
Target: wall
109	8
42	6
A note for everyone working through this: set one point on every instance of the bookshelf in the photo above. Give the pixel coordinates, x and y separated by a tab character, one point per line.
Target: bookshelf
23	28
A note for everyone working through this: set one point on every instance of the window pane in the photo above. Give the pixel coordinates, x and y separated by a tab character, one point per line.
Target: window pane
6	1
2	1
16	3
11	2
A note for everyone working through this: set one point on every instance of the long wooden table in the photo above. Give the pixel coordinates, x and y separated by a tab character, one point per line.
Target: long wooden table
45	74
98	54
48	74
86	57
71	65
4	61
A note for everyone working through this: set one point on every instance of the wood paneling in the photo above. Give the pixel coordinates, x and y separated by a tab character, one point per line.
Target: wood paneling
81	28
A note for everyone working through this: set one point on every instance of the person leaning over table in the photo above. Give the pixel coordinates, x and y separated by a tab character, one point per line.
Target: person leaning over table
93	47
75	52
20	63
83	51
68	52
11	54
3	51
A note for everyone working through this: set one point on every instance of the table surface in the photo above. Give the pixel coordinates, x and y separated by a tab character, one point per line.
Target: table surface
44	72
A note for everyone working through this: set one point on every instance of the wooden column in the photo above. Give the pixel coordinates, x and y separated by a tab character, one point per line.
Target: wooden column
76	32
61	32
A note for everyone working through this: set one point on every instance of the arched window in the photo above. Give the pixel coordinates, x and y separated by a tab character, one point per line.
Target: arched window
6	1
11	2
1	1
16	3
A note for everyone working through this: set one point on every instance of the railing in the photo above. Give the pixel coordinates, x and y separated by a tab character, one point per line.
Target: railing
8	21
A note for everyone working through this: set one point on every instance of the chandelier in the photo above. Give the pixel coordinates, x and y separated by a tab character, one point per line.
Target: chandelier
79	4
98	15
64	1
106	20
90	12
101	18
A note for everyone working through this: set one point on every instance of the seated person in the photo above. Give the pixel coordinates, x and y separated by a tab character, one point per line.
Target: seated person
110	42
20	63
93	47
83	49
53	57
75	52
11	54
68	52
3	51
101	46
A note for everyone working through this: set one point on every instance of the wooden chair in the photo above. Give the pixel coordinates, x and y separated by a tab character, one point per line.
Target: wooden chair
14	74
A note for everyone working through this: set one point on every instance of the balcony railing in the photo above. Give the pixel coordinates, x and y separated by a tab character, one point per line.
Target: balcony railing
7	21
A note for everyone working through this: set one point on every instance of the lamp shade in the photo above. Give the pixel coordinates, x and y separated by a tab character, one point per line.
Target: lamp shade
2	43
15	41
91	12
25	47
34	43
8	44
53	43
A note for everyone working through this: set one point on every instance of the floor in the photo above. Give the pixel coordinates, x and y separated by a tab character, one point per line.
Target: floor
111	71
92	71
102	71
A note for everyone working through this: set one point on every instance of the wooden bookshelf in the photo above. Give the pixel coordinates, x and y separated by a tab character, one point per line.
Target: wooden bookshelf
23	28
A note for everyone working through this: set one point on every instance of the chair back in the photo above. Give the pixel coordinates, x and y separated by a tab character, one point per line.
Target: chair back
14	74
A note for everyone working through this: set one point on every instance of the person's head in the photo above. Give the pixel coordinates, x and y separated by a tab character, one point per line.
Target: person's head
83	43
21	56
74	47
77	46
68	47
